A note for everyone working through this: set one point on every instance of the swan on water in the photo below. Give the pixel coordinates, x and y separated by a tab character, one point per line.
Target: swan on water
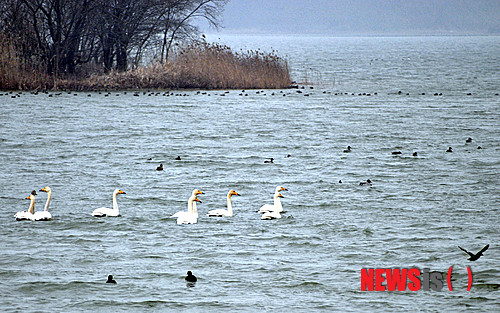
222	212
189	217
102	212
273	214
277	203
195	193
193	210
45	214
27	215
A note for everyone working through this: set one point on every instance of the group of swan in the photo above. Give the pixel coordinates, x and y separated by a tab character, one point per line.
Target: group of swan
272	211
183	217
191	215
31	215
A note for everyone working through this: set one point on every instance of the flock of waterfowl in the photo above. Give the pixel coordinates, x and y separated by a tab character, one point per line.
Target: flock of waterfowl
269	211
300	90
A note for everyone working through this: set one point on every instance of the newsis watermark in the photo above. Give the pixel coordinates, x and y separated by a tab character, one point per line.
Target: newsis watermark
403	279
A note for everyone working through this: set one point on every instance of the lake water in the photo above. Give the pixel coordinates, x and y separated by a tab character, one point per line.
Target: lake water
416	213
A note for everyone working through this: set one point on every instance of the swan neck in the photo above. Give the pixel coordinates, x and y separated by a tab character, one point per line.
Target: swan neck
49	195
190	205
32	206
115	203
277	203
229	205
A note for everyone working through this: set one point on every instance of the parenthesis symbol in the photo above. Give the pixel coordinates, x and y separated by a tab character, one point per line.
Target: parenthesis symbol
449	278
470	278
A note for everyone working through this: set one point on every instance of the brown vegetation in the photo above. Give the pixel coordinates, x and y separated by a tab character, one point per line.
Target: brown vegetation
14	74
198	66
100	44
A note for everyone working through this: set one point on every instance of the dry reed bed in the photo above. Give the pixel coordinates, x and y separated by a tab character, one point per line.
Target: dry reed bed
198	66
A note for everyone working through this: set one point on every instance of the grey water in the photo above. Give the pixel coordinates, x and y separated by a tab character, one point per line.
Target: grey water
416	213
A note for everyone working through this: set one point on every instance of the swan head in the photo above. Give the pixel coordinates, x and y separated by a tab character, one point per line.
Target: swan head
196	199
32	195
197	192
118	191
280	188
280	195
45	189
232	192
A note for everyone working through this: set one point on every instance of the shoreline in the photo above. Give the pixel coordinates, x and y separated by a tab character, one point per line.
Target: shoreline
202	66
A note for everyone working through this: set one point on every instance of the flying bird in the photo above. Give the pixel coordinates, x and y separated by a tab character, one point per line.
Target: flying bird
474	257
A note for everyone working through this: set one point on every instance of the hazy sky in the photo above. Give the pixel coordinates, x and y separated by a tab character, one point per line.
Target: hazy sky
343	17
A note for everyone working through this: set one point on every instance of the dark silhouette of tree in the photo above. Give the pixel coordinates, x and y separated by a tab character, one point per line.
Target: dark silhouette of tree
59	36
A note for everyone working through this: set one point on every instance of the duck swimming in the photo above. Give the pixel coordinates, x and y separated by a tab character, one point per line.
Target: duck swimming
348	149
190	277
110	280
160	168
271	160
366	183
449	149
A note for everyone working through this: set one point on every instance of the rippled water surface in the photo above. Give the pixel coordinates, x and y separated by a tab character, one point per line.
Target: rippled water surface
84	145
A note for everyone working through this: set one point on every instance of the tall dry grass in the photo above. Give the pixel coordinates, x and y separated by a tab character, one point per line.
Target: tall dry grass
198	66
15	74
217	66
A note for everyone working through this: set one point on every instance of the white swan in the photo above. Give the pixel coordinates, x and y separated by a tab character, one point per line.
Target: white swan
195	193
193	208
45	214
277	203
273	214
102	212
27	215
189	217
222	212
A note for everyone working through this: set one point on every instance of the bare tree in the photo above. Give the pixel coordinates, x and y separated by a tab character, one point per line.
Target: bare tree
61	35
178	15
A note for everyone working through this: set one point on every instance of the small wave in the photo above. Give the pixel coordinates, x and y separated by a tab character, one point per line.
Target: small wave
486	286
